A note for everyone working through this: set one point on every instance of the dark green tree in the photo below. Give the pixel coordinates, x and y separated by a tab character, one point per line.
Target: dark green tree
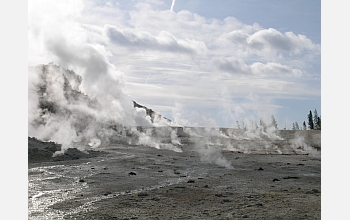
304	125
319	123
297	126
310	121
316	118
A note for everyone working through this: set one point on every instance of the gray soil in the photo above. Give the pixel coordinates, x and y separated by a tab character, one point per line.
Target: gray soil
138	182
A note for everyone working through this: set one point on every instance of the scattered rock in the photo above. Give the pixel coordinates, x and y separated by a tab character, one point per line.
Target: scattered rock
312	191
81	180
176	172
190	181
315	191
291	177
132	174
274	180
107	193
142	194
260	168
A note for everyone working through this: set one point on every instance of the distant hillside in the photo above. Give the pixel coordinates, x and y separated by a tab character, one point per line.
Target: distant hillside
151	113
70	90
59	111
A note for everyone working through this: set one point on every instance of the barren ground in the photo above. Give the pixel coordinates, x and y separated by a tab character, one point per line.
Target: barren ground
137	182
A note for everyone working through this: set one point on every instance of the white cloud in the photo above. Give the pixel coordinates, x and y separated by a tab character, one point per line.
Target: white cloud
273	41
239	67
143	40
183	57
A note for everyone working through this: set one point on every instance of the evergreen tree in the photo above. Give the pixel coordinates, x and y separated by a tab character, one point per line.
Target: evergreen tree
316	120
304	125
296	126
293	126
310	121
273	121
319	123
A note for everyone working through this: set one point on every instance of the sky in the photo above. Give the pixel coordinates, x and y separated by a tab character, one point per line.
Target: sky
198	62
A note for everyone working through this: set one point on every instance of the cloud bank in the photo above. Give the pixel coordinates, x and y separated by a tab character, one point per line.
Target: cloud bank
163	58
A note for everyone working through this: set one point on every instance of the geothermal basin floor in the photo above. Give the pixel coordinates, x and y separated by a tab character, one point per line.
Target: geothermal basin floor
139	182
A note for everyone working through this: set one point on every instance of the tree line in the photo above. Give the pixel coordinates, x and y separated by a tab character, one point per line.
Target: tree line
313	122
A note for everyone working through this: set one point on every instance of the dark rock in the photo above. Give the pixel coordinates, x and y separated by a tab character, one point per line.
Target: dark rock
132	174
142	194
315	191
81	180
291	177
107	193
190	181
260	168
274	180
180	187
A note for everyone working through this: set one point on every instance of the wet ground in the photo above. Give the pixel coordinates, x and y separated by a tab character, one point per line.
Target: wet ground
138	182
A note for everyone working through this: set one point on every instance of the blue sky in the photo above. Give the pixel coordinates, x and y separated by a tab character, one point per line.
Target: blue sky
299	16
204	63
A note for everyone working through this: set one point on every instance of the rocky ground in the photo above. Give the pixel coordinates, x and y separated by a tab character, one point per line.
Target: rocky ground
137	182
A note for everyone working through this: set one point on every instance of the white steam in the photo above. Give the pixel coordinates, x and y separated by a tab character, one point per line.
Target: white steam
60	112
300	146
80	103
